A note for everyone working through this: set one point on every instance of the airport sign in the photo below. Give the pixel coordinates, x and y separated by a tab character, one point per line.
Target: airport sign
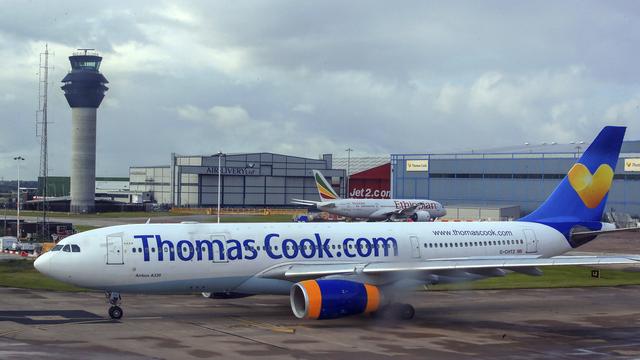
632	164
417	165
213	170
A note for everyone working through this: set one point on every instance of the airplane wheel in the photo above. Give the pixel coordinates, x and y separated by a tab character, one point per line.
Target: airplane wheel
405	311
115	312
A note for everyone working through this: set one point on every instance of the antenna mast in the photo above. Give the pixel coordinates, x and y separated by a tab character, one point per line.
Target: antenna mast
41	131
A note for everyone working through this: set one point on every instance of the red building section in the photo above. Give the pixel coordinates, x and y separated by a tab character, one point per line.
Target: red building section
374	183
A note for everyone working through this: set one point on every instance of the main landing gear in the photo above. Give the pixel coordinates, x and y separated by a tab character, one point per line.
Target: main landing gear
115	311
397	311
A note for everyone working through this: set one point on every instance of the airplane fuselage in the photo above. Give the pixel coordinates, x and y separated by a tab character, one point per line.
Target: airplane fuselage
378	209
187	258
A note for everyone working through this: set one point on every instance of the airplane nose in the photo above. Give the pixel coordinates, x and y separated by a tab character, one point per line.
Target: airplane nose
42	263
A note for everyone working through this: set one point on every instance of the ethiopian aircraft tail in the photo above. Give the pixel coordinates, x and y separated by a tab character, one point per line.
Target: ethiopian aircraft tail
325	190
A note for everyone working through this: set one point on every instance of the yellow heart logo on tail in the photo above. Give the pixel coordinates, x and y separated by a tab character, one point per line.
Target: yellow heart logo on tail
591	188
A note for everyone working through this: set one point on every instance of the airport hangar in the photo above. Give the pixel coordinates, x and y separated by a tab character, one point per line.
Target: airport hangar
520	176
248	180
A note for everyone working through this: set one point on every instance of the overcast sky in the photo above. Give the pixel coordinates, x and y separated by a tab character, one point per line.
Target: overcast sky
311	77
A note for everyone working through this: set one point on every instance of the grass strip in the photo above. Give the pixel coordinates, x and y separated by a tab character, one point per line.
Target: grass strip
21	274
554	277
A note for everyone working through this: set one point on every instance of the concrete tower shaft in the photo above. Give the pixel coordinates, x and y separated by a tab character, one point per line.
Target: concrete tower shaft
83	159
84	88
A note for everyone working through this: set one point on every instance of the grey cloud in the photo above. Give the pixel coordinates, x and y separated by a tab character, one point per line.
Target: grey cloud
306	77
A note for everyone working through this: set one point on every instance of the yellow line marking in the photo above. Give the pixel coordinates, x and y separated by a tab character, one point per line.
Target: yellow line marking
267	326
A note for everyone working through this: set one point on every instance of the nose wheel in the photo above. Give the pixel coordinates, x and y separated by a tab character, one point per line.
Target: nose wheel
115	311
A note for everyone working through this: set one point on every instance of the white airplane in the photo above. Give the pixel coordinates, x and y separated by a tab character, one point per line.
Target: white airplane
372	209
340	269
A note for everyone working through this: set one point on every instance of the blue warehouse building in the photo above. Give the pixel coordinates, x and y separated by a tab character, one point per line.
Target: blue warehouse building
524	178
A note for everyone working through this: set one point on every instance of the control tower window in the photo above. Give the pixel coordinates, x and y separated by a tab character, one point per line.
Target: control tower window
86	65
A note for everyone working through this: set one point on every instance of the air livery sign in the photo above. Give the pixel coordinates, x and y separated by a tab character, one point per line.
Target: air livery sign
632	164
213	170
418	165
273	246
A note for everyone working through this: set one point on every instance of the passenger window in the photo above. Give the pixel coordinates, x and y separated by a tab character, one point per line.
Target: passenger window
153	250
133	250
66	248
139	249
75	248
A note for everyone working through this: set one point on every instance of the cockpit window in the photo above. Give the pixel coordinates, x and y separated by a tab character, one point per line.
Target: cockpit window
56	248
66	248
75	248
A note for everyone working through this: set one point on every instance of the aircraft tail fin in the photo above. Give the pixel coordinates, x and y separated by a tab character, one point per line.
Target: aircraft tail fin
580	198
325	190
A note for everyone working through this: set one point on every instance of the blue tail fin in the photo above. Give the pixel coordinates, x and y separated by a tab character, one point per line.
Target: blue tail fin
581	196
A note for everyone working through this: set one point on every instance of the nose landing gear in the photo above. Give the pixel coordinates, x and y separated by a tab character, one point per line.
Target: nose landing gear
115	311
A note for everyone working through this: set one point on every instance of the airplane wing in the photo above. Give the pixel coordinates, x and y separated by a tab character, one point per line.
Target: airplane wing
591	234
406	212
296	272
304	202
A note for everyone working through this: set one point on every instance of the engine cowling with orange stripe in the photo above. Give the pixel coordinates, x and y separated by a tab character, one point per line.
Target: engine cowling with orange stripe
330	299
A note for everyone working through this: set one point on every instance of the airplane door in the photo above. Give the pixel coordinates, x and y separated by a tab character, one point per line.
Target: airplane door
531	241
219	251
415	246
114	250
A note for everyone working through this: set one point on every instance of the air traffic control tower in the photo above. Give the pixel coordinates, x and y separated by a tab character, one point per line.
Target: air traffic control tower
84	88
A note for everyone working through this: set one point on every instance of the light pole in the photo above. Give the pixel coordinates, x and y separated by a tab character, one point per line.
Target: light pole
18	159
578	147
349	150
220	154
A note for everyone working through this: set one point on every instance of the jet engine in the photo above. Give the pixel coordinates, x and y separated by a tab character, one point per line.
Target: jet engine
330	299
421	215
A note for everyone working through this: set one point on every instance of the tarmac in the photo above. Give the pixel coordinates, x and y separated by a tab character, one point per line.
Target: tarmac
577	323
